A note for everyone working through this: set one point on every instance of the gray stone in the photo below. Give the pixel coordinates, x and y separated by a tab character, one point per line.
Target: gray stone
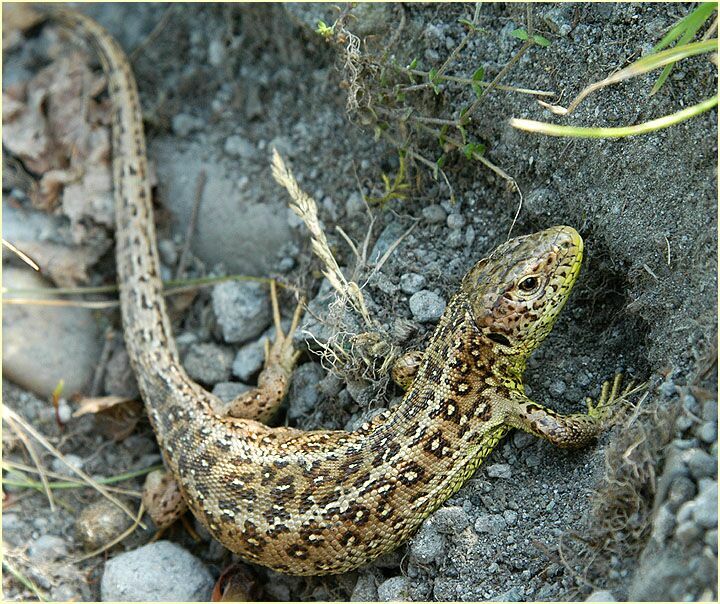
557	388
238	227
711	539
510	517
685	512
160	571
499	470
705	511
64	341
394	589
434	214
708	433
455	221
390	234
227	391
238	146
365	589
119	377
514	594
682	489
411	283
428	545
47	548
61	467
303	389
249	360
10	521
687	532
242	310
601	596
700	463
450	520
426	306
710	411
663	524
208	363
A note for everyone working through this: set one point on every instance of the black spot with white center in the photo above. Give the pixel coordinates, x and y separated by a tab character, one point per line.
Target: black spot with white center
410	473
437	445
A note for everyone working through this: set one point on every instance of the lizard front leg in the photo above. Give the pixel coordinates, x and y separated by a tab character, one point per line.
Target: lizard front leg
568	431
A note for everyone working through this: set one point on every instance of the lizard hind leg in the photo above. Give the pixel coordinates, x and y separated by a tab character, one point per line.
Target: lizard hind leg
262	403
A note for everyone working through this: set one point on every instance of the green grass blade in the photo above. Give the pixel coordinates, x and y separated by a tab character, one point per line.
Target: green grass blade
621	132
698	16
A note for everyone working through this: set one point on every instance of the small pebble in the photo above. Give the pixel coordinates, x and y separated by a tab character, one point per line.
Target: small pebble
707	433
600	596
428	545
427	306
394	589
700	464
455	221
451	520
510	516
249	360
47	548
710	411
687	532
99	523
711	539
705	511
434	214
75	461
411	283
499	470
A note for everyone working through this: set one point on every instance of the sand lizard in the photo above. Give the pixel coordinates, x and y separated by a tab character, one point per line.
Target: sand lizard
323	502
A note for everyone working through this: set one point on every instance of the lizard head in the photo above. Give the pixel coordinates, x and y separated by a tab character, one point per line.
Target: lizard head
518	291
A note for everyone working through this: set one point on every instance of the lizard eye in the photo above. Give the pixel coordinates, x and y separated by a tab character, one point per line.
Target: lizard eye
529	284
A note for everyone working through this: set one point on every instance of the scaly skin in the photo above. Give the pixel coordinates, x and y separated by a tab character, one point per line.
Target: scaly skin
312	503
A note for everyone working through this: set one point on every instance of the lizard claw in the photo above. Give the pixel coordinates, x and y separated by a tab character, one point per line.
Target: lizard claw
610	396
281	352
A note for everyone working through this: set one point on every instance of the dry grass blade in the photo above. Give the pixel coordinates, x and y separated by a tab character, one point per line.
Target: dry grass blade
36	460
8	413
306	208
20	254
41	595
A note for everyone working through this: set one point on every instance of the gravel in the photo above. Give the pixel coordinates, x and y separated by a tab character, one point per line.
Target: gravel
393	590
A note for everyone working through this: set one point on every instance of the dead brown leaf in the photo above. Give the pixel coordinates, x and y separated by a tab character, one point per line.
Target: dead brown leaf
115	416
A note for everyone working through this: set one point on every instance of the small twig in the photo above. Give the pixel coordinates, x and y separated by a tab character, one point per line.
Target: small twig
36	460
463	42
199	188
41	595
391	249
8	413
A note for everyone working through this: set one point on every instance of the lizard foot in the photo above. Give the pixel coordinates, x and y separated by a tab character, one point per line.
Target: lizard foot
162	499
610	395
262	402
